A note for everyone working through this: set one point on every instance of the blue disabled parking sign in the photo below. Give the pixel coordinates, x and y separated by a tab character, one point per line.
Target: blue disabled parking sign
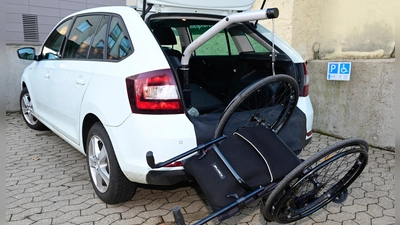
339	71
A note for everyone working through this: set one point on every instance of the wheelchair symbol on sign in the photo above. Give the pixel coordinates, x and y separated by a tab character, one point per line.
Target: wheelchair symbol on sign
343	69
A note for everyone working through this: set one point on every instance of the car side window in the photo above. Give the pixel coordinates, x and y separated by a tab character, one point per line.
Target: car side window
257	46
53	45
119	44
98	44
80	37
220	44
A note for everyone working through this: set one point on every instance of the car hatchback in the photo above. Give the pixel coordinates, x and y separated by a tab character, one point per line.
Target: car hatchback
117	82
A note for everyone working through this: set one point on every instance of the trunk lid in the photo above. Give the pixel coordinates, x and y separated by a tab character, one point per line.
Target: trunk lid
219	7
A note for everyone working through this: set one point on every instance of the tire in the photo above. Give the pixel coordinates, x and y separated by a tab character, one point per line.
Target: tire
322	178
269	102
108	181
28	112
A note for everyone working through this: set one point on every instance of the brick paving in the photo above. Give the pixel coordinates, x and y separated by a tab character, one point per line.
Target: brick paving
47	183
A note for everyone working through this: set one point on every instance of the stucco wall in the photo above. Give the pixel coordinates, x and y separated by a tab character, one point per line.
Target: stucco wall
357	29
336	29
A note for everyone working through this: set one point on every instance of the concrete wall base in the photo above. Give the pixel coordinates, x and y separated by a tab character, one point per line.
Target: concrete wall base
362	107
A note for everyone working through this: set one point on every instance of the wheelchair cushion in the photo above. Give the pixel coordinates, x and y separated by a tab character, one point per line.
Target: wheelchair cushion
257	154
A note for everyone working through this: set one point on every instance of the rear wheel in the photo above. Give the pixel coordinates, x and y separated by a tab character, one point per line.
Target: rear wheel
108	181
322	178
268	102
28	112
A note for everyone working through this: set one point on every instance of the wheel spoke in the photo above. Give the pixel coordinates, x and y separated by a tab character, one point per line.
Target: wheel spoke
98	180
31	118
92	161
102	156
24	110
96	147
26	100
103	173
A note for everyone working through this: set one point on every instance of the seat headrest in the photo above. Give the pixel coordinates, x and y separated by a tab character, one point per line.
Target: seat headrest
165	35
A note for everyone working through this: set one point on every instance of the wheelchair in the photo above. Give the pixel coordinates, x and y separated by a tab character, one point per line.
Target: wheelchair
247	161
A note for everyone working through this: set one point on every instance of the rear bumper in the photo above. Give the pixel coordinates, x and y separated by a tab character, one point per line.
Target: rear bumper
167	177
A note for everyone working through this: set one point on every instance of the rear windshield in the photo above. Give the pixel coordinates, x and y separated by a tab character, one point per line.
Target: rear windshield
235	39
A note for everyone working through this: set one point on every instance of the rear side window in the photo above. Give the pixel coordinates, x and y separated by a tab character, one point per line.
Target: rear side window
98	44
257	46
52	46
80	37
119	44
220	44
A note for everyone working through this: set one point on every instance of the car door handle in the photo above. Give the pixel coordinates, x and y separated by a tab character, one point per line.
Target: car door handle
80	81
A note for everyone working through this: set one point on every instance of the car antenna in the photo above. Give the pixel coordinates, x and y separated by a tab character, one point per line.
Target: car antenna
262	7
144	12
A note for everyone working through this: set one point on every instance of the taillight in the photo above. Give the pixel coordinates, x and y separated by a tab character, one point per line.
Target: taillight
154	92
175	164
306	84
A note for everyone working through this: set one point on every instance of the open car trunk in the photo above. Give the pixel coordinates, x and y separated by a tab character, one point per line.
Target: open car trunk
217	70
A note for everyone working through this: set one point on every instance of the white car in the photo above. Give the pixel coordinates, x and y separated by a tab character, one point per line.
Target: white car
117	82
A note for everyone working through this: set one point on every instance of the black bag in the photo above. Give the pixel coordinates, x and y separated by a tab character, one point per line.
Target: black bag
256	154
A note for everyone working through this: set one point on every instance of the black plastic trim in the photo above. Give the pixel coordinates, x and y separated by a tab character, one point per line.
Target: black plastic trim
167	177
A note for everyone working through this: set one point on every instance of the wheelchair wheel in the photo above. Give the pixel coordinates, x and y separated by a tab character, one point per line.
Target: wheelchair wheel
322	178
269	102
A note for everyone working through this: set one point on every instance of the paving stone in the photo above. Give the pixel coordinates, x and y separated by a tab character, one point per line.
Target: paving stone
194	206
84	219
152	213
18	202
45	216
383	220
133	212
349	222
112	210
70	208
55	206
357	193
375	210
354	208
156	204
177	196
131	221
25	214
43	222
20	222
389	212
342	216
109	219
386	203
320	216
93	209
36	204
